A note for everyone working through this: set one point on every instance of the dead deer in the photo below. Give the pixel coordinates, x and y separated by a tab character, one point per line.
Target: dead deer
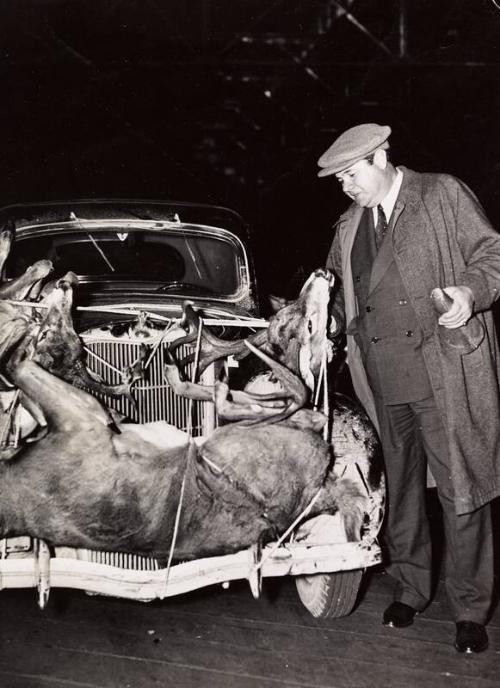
29	312
296	336
85	484
297	332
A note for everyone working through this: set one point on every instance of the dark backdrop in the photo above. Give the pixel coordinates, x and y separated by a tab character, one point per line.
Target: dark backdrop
232	102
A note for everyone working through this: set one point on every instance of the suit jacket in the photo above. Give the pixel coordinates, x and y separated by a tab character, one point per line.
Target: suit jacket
441	237
387	330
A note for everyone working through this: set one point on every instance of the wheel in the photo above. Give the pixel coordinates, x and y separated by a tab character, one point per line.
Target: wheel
329	595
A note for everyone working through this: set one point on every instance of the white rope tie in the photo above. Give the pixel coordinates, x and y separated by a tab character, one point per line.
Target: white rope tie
26	304
322	383
155	348
299	518
9	417
319	381
188	461
322	378
326	404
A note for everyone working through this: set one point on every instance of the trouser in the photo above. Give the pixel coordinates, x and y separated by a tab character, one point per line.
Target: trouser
412	434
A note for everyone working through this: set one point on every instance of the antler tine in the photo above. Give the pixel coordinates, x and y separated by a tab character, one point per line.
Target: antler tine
190	322
212	348
259	339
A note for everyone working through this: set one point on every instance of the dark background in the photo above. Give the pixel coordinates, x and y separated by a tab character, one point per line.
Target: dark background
233	101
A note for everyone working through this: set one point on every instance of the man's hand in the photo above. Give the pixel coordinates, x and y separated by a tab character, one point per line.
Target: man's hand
461	309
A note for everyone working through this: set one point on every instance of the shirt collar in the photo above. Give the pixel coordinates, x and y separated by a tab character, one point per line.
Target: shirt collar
390	200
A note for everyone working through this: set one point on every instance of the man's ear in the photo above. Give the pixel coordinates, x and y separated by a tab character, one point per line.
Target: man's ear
278	302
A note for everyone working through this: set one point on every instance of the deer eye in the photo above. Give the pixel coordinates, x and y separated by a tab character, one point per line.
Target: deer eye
277	350
310	327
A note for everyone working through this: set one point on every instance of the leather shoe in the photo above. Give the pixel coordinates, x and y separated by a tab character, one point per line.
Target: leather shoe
399	615
471	637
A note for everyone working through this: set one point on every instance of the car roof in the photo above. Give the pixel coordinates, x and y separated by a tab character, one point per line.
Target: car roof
28	214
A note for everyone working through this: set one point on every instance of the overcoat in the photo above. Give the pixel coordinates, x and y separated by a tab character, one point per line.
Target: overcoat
441	237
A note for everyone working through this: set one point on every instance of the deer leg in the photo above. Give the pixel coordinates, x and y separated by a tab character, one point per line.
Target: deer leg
184	388
62	404
20	287
6	239
33	408
12	331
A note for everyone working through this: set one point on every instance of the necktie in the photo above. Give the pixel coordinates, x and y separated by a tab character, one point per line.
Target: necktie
381	227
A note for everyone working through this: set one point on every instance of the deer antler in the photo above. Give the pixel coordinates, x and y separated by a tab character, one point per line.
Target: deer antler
199	392
245	407
211	347
296	391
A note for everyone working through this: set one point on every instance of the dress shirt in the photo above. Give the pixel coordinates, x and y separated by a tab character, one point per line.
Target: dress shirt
390	200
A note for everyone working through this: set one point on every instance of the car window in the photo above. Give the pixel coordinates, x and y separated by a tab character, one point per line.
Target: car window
135	255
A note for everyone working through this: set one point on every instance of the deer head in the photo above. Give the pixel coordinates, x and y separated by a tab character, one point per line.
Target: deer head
296	339
297	332
296	336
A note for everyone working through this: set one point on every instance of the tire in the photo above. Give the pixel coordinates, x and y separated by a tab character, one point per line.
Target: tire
329	595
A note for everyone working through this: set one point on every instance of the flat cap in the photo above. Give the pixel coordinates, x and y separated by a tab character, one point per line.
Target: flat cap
353	145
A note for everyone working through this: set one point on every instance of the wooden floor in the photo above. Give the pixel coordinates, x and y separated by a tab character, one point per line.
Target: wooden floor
217	638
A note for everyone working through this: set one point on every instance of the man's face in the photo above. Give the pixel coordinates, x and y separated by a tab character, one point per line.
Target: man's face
364	182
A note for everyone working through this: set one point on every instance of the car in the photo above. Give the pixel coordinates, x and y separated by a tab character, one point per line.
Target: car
137	264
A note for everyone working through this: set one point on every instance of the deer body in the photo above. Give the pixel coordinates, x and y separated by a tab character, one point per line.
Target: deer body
88	483
85	485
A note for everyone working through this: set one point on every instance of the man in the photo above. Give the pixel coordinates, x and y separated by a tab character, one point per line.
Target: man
435	405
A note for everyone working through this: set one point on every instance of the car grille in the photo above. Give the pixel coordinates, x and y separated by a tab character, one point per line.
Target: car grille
154	400
121	560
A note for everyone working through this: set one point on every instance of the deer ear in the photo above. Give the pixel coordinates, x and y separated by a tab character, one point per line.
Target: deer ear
278	302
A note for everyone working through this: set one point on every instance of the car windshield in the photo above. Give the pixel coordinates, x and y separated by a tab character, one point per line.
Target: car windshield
208	262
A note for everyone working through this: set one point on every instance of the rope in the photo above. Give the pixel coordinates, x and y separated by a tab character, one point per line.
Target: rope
101	360
26	304
189	452
299	518
9	416
155	348
326	405
321	377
